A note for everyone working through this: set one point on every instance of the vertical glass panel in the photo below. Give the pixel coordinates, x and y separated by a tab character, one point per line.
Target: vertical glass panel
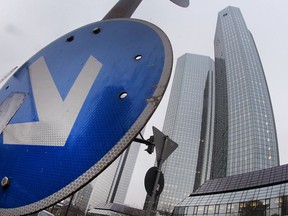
229	205
274	203
195	210
253	204
217	207
274	212
223	208
241	206
200	210
190	210
267	203
234	207
181	210
211	209
206	209
176	210
259	208
284	206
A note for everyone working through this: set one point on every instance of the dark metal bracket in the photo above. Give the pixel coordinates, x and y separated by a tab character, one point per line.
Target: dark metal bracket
149	142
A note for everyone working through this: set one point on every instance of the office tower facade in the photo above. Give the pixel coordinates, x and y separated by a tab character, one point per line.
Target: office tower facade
112	185
244	132
237	132
183	123
81	198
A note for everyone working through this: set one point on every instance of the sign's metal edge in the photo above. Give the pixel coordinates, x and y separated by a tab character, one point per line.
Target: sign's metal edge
152	104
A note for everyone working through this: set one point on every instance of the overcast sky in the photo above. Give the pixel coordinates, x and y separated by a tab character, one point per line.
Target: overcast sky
27	26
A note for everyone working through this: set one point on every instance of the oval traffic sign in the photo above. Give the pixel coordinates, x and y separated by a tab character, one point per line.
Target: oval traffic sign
150	179
73	107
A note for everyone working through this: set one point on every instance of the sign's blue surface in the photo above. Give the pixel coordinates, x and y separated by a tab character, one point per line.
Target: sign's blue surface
84	98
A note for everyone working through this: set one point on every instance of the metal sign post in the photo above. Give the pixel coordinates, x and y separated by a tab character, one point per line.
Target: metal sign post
164	148
151	202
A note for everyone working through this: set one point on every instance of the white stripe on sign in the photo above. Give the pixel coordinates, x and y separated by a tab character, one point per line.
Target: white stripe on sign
56	117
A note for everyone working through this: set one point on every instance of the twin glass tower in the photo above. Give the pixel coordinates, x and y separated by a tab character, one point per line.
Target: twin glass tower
219	113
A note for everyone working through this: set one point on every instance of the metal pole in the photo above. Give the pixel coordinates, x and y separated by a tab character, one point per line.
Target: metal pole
123	9
152	198
68	207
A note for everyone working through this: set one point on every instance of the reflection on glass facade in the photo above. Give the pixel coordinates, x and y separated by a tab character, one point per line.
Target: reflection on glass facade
206	137
227	129
111	186
263	192
81	198
245	135
183	124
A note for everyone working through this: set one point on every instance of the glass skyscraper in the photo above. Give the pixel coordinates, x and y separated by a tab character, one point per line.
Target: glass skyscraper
220	116
244	133
183	124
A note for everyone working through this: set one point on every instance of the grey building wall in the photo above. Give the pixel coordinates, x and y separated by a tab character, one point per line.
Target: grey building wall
245	133
183	125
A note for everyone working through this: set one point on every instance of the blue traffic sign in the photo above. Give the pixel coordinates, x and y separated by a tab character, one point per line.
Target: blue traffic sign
73	107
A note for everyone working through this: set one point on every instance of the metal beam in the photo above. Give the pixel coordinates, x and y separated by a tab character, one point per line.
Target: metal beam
123	9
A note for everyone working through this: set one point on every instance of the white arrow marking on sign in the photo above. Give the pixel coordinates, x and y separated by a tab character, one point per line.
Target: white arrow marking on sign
56	117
